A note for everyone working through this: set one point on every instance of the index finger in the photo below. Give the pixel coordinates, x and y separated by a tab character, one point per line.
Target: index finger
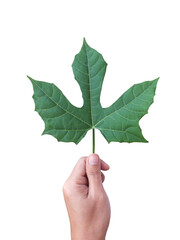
80	168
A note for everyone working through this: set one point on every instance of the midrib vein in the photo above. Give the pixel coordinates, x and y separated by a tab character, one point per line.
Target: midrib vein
90	89
122	106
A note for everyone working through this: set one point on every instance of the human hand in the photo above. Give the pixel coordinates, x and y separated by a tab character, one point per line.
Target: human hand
86	200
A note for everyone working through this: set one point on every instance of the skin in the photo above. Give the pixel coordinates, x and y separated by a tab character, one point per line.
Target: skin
86	200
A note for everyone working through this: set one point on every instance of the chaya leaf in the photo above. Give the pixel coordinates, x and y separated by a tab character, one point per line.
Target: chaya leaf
117	123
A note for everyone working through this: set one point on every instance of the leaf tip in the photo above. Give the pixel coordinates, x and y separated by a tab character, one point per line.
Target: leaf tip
29	78
84	40
156	80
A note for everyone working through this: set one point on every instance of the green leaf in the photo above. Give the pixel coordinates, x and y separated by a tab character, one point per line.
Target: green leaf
67	123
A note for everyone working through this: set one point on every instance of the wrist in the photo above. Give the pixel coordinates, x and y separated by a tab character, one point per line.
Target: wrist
86	235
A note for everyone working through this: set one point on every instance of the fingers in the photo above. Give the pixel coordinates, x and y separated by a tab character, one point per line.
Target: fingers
104	166
102	177
79	169
93	171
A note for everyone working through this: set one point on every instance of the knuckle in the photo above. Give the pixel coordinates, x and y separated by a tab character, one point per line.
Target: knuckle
102	177
66	189
82	159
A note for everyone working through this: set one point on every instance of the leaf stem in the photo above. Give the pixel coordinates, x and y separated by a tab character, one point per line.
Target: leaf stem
93	140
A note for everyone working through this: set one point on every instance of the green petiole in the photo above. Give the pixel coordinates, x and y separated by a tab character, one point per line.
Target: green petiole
93	140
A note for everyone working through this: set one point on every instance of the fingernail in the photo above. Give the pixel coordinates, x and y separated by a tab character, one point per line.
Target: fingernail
93	159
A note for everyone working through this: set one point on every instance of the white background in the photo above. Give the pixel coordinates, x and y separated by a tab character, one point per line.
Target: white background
140	40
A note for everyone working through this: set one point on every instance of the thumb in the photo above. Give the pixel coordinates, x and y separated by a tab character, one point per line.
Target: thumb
93	171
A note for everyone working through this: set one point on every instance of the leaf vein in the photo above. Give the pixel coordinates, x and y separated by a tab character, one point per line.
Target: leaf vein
61	106
122	106
98	72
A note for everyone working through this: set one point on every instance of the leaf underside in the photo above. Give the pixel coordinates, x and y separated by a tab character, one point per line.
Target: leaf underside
117	123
